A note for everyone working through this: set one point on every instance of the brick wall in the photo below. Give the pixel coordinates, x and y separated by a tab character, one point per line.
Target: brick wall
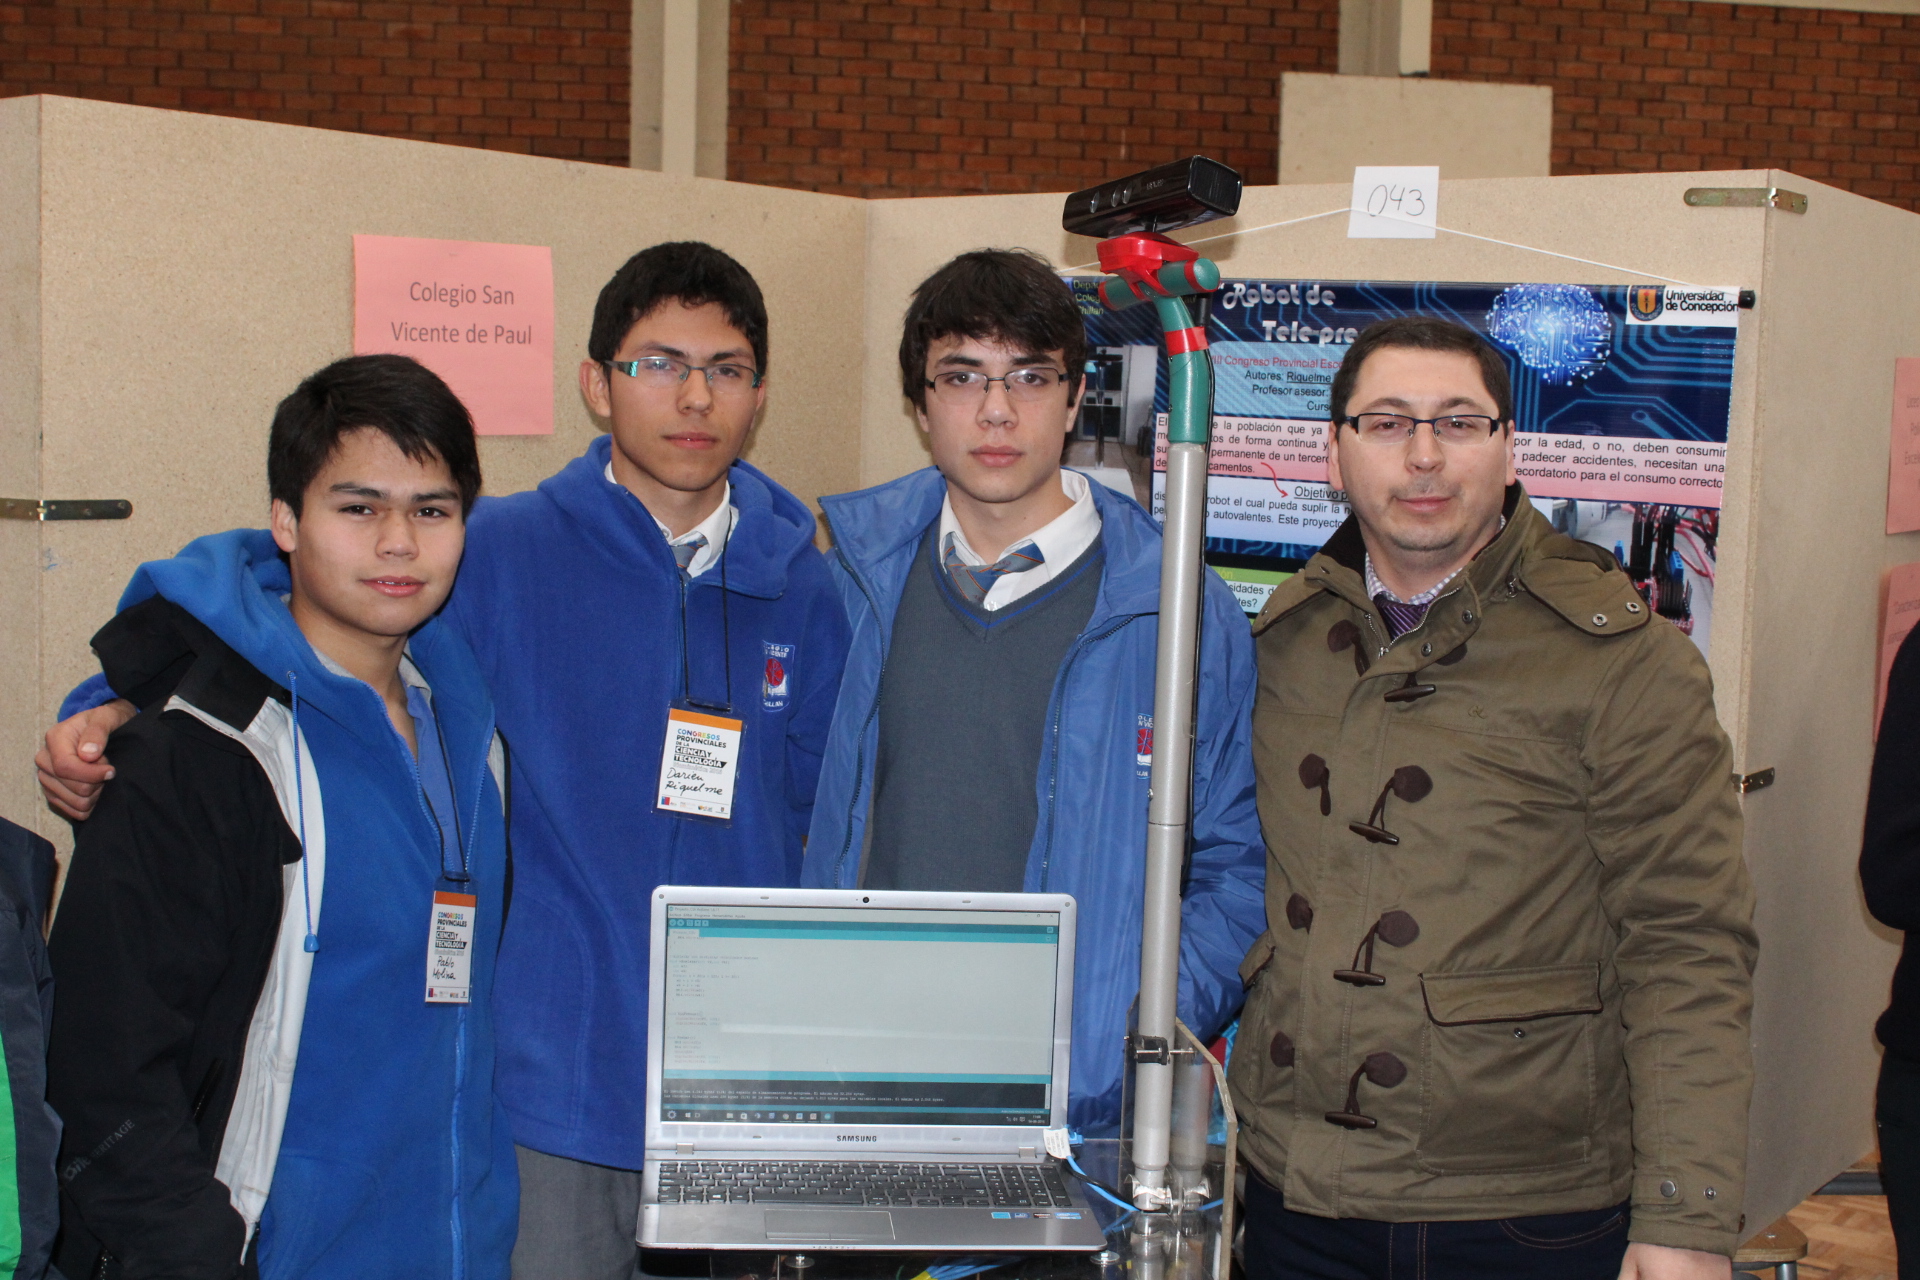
926	97
1642	85
542	76
918	97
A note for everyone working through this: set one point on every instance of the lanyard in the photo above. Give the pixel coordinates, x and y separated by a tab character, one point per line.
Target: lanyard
726	637
453	801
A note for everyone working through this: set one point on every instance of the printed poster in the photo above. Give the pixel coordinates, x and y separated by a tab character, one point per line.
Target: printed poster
1621	395
1900	610
1903	462
479	315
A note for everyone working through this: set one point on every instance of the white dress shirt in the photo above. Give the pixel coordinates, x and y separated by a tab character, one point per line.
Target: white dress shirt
1061	540
716	528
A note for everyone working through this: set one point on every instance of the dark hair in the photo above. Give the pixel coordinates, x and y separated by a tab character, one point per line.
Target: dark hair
394	395
684	271
1010	296
1424	333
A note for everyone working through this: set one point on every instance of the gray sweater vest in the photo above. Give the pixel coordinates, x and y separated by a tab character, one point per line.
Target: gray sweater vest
963	710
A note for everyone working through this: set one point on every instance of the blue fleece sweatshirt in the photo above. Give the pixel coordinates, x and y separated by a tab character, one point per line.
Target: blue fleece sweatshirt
395	1159
573	604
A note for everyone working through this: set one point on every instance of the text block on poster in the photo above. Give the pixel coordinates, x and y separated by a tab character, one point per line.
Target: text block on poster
1901	612
479	315
1903	466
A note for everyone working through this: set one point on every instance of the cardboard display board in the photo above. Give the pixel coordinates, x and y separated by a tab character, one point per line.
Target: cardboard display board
165	278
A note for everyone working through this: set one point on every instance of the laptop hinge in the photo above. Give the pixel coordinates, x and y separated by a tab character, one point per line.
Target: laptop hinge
683	1148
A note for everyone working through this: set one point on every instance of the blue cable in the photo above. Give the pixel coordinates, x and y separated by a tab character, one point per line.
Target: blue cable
300	797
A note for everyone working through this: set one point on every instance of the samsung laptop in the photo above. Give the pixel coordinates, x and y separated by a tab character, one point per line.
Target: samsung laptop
844	1069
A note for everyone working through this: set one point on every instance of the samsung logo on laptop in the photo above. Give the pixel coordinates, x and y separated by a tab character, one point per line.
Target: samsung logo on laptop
856	1137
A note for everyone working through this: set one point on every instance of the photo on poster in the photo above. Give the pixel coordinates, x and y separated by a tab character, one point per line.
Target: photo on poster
1621	398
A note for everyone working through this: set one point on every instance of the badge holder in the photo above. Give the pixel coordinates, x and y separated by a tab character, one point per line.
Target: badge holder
700	756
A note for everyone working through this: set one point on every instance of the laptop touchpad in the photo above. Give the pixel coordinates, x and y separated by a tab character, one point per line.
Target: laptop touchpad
828	1224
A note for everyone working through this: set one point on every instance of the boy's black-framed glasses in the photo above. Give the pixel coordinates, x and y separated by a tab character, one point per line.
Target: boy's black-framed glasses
968	386
1398	428
665	371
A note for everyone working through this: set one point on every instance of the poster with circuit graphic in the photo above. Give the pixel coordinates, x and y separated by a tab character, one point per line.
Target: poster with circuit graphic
1621	397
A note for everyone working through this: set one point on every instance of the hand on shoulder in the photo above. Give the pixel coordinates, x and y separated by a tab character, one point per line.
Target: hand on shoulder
73	763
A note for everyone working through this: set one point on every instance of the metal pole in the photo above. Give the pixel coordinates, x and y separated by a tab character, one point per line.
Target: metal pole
1171	778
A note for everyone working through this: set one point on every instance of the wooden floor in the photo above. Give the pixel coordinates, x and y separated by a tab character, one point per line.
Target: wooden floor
1847	1238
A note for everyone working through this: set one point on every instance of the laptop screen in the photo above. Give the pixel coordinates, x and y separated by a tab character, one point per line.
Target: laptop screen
826	1015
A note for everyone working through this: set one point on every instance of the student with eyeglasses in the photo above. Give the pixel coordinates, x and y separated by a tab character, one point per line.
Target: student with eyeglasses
1498	1022
995	723
658	586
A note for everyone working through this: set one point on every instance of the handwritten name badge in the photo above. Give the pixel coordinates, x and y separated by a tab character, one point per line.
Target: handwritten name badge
697	764
450	948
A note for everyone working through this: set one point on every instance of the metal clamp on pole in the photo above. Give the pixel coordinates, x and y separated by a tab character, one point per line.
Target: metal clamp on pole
1147	266
1150	1049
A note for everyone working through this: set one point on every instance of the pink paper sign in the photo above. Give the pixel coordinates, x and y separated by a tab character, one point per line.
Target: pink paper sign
479	315
1903	473
1902	611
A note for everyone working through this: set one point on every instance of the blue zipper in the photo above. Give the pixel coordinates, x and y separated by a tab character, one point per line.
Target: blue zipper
860	755
460	1034
459	1090
1059	714
455	1223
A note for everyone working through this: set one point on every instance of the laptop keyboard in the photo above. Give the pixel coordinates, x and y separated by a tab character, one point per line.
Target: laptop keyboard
1018	1186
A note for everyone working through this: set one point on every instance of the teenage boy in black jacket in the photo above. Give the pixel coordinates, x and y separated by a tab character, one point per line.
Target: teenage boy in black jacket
273	1046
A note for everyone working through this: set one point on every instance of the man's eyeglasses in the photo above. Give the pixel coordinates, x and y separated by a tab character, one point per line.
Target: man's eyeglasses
967	386
664	371
1398	428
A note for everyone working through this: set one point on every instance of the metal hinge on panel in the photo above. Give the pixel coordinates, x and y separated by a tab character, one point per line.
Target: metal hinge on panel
65	509
1746	198
1746	782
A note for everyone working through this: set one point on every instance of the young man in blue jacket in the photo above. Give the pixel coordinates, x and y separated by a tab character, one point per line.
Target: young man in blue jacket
994	728
273	1048
655	577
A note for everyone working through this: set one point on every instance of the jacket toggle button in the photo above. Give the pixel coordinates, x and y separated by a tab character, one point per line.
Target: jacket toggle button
1426	650
1396	929
1314	773
1710	1193
1412	784
1410	691
1668	1190
1382	1069
1466	616
1299	912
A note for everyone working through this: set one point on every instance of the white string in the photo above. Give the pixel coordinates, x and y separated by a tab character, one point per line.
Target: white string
1569	257
1591	262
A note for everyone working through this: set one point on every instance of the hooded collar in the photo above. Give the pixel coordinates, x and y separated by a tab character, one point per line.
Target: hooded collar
234	583
773	529
877	531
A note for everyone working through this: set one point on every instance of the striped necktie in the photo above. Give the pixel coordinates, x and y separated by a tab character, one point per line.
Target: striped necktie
684	552
1400	617
973	581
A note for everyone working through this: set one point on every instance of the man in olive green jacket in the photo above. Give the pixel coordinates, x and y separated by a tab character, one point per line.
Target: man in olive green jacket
1498	1023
